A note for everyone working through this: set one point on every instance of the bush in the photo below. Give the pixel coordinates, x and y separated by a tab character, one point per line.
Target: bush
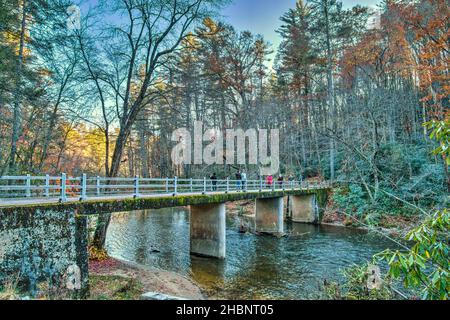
426	264
409	172
9	291
350	199
96	254
356	287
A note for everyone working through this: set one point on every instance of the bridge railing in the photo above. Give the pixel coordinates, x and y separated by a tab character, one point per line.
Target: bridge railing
66	188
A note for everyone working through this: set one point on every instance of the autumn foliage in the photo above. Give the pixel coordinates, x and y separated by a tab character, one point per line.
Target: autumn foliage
412	42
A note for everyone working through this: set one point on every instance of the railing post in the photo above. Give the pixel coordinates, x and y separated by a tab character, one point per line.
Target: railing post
47	186
204	185
190	185
28	186
260	184
97	185
63	196
136	186
175	186
167	184
83	187
228	185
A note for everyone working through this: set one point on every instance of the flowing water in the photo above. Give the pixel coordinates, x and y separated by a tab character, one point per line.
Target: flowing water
256	267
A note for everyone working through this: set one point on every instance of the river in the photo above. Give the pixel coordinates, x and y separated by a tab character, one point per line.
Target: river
256	267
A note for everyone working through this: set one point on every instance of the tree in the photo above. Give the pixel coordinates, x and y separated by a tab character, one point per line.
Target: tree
29	26
8	19
152	32
17	113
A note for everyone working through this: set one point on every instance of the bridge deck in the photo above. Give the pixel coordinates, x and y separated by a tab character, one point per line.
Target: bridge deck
120	203
92	195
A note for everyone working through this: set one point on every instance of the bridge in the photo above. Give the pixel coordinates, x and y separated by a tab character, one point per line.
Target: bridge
44	225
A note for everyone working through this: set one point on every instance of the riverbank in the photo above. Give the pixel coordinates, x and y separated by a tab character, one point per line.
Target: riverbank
113	279
395	226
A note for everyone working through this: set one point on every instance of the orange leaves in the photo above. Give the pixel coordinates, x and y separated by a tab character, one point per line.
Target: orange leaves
429	23
212	27
215	65
412	43
97	255
378	54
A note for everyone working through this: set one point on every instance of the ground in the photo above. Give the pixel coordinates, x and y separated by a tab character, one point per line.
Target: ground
112	279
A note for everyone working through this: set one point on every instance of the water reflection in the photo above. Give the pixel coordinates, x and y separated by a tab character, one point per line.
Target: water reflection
256	267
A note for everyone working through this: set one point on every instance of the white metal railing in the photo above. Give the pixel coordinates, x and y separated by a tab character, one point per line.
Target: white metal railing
64	187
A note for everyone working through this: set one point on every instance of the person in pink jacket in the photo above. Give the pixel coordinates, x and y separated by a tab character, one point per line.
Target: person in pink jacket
269	180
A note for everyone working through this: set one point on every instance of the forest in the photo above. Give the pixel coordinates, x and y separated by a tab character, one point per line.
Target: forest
355	93
350	97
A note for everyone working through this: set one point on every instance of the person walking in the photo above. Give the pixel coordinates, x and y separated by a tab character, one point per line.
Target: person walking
280	181
269	181
214	181
244	181
238	180
291	180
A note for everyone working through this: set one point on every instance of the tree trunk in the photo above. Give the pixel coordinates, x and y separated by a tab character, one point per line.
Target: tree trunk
17	113
330	86
105	218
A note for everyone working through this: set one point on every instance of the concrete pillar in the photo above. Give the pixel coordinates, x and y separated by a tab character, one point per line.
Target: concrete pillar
269	215
304	209
45	246
208	230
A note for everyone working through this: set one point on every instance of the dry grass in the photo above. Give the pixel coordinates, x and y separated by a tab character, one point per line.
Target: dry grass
112	287
9	291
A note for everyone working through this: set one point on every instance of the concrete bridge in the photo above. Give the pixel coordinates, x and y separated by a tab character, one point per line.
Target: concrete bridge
43	220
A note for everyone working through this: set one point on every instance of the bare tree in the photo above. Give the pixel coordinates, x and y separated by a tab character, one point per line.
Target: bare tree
152	31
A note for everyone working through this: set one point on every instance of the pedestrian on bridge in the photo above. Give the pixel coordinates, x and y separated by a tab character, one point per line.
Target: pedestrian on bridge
238	180
280	181
214	181
244	181
269	180
291	179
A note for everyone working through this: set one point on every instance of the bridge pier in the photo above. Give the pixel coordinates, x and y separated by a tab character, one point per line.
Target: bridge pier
269	215
208	229
45	246
304	209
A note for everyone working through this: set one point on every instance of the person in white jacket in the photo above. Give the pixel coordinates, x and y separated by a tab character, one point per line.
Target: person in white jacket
244	181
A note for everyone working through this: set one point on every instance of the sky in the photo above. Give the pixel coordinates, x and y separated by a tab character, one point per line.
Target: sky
263	16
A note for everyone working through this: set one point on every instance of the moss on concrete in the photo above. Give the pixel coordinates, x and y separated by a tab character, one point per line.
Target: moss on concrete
96	206
322	200
41	245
